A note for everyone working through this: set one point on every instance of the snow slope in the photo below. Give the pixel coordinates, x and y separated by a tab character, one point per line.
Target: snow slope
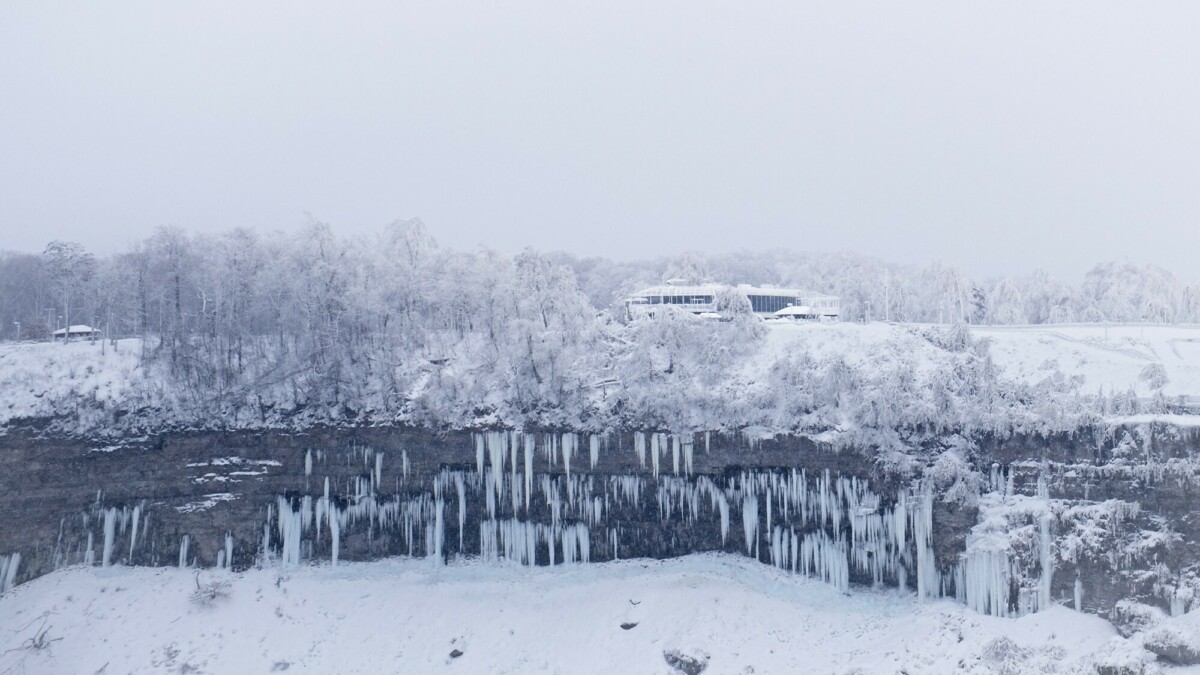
41	378
407	616
1111	357
90	378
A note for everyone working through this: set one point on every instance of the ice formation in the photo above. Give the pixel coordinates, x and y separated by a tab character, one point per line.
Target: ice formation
8	571
832	527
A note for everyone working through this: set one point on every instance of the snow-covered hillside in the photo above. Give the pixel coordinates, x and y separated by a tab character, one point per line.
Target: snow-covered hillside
1109	357
679	373
622	617
40	379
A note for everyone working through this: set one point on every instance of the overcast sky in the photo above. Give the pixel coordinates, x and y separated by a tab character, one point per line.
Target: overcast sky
999	136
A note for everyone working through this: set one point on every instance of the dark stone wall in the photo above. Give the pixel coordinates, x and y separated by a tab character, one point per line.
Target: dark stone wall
55	491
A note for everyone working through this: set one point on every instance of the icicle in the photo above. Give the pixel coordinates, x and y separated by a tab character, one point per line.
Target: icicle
183	550
479	454
89	556
291	527
228	550
137	517
1045	548
723	507
983	582
594	450
654	453
461	489
750	523
922	521
335	537
675	454
1078	594
378	468
110	515
436	533
530	444
308	463
639	447
8	571
567	451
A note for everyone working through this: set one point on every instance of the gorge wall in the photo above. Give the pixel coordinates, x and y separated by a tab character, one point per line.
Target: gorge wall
1005	525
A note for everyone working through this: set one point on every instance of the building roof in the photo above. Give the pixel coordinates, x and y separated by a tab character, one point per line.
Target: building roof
77	328
713	289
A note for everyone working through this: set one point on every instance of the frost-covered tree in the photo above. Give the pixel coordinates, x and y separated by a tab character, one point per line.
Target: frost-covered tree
1005	304
1048	300
71	271
689	268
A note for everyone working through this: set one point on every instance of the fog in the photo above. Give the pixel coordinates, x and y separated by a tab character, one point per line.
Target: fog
999	137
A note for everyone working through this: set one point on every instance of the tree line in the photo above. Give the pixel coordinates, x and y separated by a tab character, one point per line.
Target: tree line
251	329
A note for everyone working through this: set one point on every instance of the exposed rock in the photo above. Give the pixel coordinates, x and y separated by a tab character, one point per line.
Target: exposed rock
628	625
1177	639
688	664
1130	616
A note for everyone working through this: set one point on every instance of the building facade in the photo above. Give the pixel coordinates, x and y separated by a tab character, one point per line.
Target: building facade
766	301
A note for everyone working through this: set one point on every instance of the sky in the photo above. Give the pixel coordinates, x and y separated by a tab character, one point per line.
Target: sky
997	136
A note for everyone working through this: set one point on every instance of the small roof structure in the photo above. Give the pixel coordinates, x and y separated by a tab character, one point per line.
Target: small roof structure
78	329
795	310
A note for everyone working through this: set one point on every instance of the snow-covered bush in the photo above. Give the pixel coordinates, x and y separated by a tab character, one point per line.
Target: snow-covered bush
209	592
1176	639
1130	616
1119	656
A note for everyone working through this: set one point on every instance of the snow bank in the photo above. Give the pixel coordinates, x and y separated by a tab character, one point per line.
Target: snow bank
404	616
52	378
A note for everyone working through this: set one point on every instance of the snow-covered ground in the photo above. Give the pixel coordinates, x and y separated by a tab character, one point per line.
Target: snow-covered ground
1112	357
37	377
407	616
42	379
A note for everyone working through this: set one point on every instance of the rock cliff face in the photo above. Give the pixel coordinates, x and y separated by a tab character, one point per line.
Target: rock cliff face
1089	519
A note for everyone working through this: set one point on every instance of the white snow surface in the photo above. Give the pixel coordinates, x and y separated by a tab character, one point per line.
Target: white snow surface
1109	357
40	378
90	378
402	615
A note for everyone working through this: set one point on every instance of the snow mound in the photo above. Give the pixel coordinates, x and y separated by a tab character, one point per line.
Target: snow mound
404	615
1176	639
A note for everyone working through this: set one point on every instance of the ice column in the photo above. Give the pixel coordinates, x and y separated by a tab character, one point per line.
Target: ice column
8	571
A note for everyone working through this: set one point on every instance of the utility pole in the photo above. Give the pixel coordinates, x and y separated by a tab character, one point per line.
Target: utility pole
887	295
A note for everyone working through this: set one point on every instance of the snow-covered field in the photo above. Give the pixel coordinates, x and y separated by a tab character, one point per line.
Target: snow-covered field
1112	357
404	616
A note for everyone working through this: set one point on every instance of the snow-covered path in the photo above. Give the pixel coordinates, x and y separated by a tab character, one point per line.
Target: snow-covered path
404	616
